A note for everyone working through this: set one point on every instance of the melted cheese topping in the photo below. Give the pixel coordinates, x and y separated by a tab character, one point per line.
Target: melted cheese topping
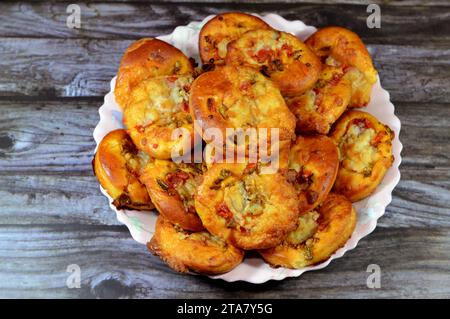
332	61
187	189
222	48
356	151
307	227
203	237
249	107
355	76
310	98
357	79
244	199
162	102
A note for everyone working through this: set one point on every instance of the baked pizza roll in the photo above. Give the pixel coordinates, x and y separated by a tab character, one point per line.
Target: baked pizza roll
340	47
317	109
116	166
239	97
172	187
200	252
246	208
279	55
312	169
318	235
157	107
221	30
365	153
145	59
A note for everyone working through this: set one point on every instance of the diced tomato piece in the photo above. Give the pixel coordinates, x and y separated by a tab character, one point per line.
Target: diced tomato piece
263	55
172	78
288	49
250	168
185	106
245	85
223	211
177	178
363	123
338	101
335	79
377	139
319	96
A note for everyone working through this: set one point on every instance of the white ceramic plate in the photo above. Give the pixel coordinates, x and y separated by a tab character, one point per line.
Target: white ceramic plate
254	270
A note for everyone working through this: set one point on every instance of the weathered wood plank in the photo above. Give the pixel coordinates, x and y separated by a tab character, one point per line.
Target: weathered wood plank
48	136
110	21
46	149
52	213
53	199
56	136
360	2
414	263
66	199
79	67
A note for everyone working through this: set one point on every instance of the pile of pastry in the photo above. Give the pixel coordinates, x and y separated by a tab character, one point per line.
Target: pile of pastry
211	211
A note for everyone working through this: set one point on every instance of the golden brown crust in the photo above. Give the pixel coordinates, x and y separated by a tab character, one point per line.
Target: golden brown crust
313	166
200	251
156	108
249	209
317	109
147	58
239	97
334	226
172	188
221	30
116	166
280	55
365	147
341	47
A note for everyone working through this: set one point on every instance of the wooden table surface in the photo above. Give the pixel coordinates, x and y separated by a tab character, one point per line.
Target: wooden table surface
52	214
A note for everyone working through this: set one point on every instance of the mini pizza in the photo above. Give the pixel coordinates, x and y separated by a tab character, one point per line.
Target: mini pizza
116	165
318	235
158	108
340	47
312	169
186	251
172	187
317	109
248	209
365	153
221	30
239	97
145	59
278	55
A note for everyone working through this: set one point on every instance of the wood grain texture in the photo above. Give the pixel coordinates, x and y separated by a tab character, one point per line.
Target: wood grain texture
400	24
52	214
84	67
426	3
46	148
67	199
57	136
414	263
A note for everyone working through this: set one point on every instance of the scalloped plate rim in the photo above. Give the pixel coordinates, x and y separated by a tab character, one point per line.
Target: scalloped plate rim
379	200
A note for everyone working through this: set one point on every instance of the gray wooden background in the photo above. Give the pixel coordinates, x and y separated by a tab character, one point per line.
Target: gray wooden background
53	79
